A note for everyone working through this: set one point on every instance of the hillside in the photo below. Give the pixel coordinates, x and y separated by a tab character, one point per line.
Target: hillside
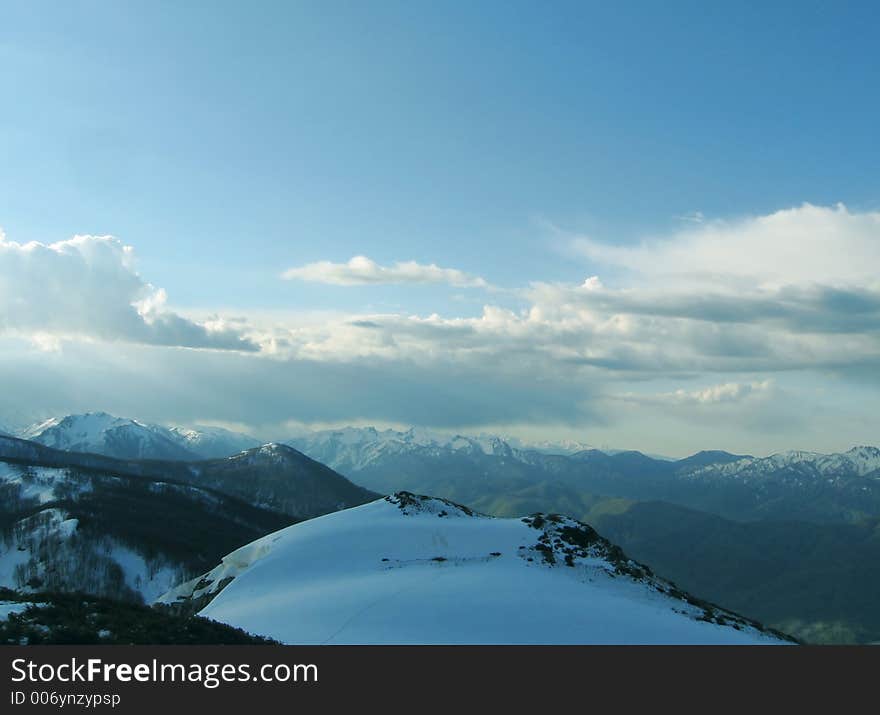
820	582
116	535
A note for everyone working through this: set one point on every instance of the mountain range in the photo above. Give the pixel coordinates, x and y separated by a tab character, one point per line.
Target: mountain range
124	438
789	539
480	471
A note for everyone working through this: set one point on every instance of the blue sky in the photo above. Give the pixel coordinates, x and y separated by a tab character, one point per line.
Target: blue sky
226	143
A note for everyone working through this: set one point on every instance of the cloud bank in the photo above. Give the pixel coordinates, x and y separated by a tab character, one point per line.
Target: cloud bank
764	321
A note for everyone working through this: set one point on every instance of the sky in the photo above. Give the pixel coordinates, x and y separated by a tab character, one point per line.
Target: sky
639	225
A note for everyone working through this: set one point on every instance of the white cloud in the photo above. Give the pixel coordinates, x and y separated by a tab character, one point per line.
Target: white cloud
361	270
828	245
86	286
720	394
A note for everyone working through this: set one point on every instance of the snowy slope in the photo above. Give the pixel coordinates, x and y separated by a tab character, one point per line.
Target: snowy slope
112	534
408	569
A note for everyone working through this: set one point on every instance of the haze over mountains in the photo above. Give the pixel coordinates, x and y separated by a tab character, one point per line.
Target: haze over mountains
792	539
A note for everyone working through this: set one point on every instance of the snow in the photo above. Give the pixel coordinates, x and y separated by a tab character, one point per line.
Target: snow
38	482
86	429
377	574
10	557
211	442
15	551
355	448
858	461
148	578
101	433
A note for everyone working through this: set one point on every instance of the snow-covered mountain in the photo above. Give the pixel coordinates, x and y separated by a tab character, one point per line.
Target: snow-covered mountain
352	449
100	433
410	569
125	438
859	461
212	442
562	446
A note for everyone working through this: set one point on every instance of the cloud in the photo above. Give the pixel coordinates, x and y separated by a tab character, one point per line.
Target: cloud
720	394
823	244
87	286
361	270
621	344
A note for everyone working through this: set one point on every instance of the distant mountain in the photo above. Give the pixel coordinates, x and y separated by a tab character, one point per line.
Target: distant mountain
124	438
479	470
411	569
857	462
706	458
279	477
100	433
212	442
565	446
353	449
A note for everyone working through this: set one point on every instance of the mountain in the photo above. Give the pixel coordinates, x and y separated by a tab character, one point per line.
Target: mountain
130	529
272	476
353	449
858	462
124	438
413	569
564	446
112	533
212	442
802	486
707	457
100	433
279	477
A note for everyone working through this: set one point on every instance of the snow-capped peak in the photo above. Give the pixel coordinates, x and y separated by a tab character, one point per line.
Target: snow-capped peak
126	438
856	462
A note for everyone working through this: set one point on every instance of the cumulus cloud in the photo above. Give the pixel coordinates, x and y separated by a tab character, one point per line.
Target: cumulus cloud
361	270
87	286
